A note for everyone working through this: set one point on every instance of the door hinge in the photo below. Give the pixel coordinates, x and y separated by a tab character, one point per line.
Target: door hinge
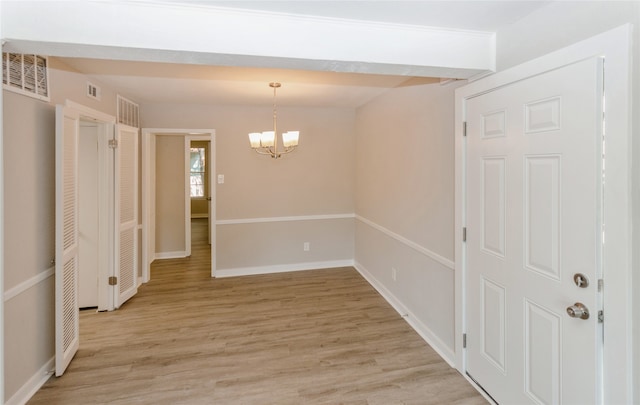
464	234
464	128
600	316
113	143
113	280
600	284
464	340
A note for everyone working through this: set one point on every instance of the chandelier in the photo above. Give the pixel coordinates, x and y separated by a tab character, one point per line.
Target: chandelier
266	143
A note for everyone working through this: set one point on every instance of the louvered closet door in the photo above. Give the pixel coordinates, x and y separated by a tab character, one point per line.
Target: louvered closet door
126	193
66	283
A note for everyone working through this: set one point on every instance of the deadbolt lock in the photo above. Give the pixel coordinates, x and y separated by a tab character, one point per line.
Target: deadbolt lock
581	280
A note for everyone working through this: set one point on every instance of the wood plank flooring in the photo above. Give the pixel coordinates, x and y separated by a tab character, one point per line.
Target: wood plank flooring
312	337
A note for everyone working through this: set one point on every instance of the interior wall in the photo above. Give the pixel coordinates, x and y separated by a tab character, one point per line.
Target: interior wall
29	212
170	197
405	203
560	24
314	181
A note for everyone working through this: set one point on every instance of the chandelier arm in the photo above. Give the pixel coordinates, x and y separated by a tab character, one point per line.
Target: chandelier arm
263	151
288	149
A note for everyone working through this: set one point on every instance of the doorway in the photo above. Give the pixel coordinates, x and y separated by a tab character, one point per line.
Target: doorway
153	150
89	214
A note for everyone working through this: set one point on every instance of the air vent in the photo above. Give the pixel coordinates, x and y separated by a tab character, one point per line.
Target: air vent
26	74
93	91
128	112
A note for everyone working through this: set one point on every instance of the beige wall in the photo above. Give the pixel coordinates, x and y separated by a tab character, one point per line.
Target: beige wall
405	164
404	186
170	195
316	179
29	219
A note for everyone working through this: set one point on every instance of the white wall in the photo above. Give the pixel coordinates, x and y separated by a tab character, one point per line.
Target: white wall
405	204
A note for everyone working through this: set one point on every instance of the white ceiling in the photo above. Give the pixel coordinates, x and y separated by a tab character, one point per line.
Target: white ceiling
148	82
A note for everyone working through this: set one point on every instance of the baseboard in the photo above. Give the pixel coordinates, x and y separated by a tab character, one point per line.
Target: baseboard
169	255
32	386
423	330
282	268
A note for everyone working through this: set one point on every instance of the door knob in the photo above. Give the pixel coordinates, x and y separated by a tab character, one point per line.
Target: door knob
578	310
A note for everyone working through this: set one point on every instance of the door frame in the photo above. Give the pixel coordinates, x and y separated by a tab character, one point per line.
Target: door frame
148	179
614	46
106	247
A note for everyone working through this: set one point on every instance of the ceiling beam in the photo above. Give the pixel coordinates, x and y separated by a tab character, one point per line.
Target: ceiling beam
166	32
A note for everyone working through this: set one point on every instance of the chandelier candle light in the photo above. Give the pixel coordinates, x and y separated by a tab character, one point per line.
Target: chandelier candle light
266	143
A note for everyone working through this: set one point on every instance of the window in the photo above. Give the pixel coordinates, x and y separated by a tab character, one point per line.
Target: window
197	172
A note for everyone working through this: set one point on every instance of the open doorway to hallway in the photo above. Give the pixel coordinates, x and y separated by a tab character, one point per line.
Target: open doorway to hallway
199	187
167	184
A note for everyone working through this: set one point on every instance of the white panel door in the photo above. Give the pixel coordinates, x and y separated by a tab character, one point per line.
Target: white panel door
534	184
67	240
126	213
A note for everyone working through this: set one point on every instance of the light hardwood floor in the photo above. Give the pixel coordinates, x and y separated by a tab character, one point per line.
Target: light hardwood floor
312	337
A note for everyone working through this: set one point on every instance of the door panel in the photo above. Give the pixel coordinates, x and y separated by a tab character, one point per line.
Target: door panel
67	240
126	197
534	186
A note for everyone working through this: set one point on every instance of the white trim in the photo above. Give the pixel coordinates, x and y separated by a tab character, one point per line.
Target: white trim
423	330
187	194
413	245
282	268
284	219
90	112
33	384
615	47
171	255
27	284
2	233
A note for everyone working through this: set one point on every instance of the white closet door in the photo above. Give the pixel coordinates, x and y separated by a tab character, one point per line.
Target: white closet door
66	268
126	213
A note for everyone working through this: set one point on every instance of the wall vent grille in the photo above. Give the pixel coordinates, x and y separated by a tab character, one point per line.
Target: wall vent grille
128	112
93	91
26	74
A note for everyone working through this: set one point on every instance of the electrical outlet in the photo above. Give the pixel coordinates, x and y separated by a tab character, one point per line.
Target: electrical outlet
306	246
394	274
